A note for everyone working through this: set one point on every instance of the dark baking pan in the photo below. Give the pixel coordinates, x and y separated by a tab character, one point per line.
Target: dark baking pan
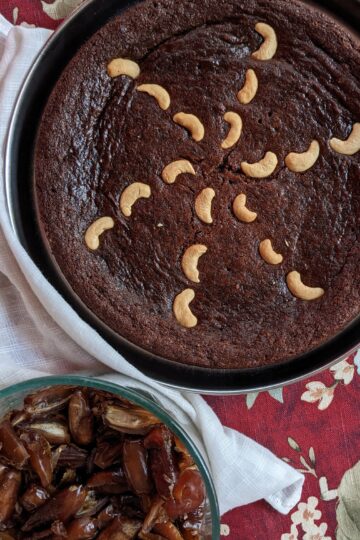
19	178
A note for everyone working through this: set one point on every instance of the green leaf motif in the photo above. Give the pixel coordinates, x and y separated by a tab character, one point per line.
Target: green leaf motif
293	444
348	510
304	462
312	456
251	398
277	393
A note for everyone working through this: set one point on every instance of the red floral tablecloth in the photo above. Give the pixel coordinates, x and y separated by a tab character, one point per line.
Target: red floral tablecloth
314	424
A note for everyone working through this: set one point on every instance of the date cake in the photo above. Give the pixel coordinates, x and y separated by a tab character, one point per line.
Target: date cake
197	178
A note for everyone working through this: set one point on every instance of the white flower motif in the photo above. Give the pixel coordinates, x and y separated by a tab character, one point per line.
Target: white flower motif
317	391
59	9
224	530
306	513
357	361
292	535
343	371
316	532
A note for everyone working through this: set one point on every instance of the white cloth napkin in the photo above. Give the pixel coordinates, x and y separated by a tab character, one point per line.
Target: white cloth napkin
40	334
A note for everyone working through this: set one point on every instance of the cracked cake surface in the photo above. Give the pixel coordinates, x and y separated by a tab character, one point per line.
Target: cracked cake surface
99	135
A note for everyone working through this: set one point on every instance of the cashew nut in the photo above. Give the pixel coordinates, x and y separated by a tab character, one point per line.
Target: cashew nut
96	229
262	168
248	91
192	123
181	308
298	289
268	254
123	66
203	205
240	210
268	48
171	171
300	162
158	92
233	136
349	146
190	260
131	194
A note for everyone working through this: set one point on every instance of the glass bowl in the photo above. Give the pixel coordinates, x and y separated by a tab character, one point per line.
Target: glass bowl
12	398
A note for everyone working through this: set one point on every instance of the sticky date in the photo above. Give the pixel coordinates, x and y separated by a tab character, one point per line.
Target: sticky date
82	464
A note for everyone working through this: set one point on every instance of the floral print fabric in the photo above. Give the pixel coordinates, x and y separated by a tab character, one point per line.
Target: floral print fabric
315	426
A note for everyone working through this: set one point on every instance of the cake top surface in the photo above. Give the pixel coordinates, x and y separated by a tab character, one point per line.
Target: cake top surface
197	178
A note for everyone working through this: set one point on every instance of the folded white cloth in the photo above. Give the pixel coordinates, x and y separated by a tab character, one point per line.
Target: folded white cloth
40	334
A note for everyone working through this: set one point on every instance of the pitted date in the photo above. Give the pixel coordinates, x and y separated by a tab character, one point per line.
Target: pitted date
81	464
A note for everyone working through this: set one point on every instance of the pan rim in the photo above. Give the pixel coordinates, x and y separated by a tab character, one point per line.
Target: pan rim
252	376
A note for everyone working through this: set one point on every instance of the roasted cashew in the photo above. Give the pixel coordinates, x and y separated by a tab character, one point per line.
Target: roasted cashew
123	66
203	205
262	168
191	123
349	146
190	260
268	48
248	91
171	171
240	210
298	289
268	254
158	92
181	308
96	229
300	162
235	129
131	194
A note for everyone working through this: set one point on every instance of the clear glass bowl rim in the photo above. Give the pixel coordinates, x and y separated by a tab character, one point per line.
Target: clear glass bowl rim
132	394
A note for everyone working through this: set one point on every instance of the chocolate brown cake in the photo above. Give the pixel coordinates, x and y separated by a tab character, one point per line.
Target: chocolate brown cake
198	178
